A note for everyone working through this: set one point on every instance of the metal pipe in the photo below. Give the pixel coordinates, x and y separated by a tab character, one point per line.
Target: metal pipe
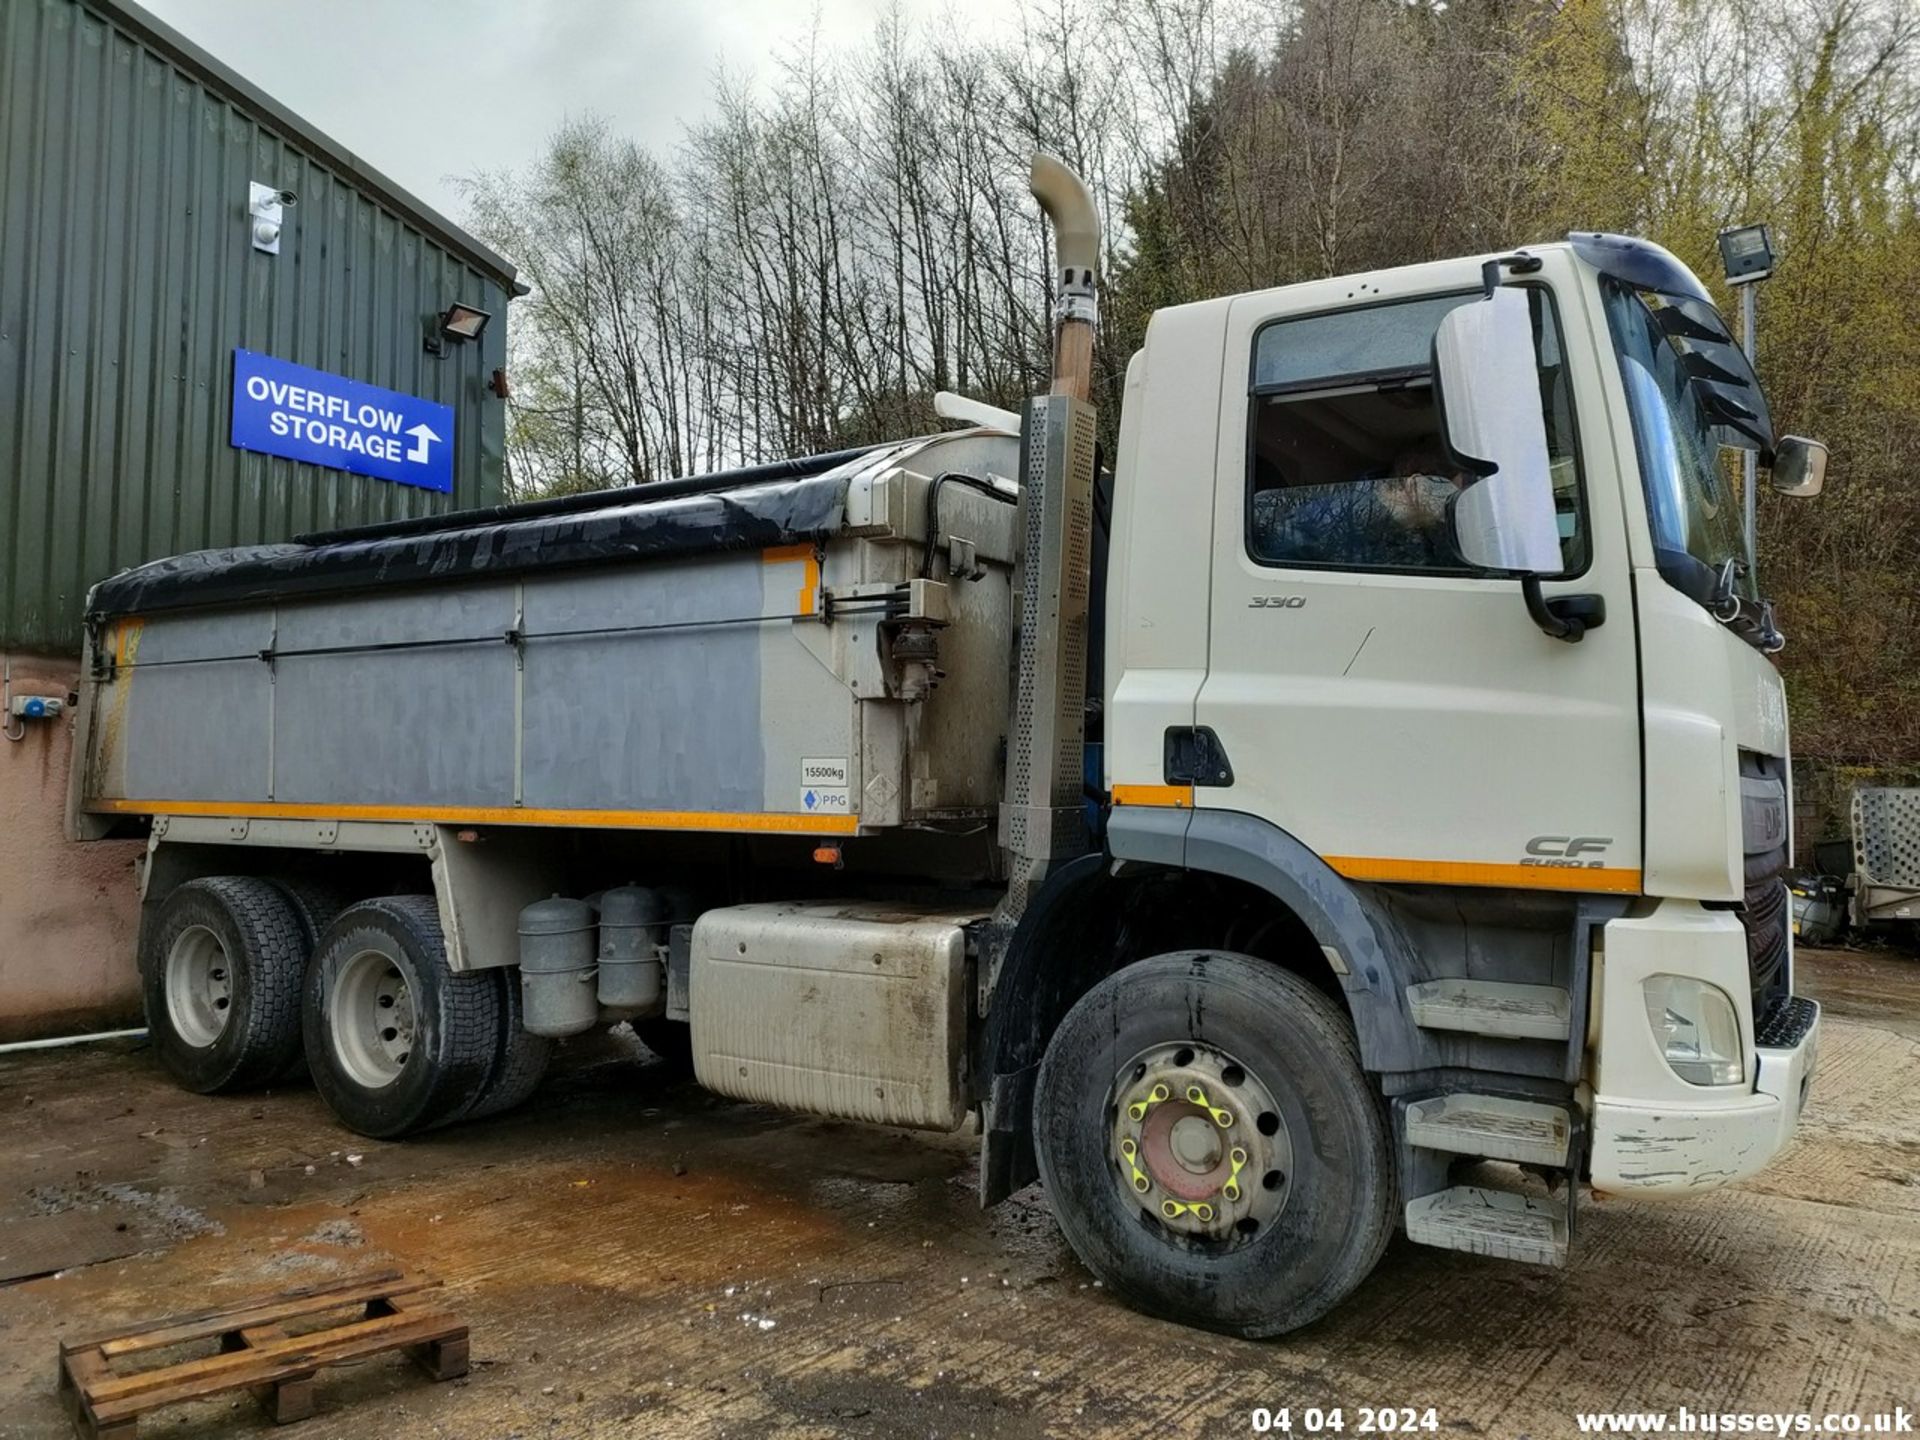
1076	238
1750	463
60	1041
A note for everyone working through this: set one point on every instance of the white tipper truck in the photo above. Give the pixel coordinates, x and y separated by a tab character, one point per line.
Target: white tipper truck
1360	807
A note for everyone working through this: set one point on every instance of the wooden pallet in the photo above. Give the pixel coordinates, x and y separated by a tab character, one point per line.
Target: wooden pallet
257	1352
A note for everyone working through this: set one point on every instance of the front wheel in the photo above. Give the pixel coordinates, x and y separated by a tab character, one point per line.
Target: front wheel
1211	1146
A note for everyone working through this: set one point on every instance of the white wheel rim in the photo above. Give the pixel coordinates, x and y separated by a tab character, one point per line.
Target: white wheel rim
371	1019
199	983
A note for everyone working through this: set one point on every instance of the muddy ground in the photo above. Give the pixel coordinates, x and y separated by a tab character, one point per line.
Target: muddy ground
637	1258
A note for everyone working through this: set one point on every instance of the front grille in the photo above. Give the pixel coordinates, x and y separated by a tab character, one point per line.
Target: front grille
1767	910
1788	1025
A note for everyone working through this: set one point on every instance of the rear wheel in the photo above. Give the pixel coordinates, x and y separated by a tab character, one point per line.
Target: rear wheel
522	1062
220	971
1211	1146
397	1041
315	903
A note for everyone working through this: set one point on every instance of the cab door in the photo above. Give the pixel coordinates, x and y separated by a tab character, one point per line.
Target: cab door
1372	694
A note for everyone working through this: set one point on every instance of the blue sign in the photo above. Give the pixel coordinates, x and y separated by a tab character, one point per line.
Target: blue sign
280	408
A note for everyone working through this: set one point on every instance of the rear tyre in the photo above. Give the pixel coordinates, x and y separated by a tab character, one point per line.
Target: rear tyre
315	903
522	1061
396	1040
220	967
1210	1145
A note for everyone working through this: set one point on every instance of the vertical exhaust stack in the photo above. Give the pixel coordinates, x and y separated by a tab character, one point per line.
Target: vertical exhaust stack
1076	242
1041	820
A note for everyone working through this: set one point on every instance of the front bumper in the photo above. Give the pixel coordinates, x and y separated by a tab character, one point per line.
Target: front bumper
1654	1134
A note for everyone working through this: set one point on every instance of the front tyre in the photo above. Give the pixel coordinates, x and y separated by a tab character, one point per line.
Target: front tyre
397	1041
1211	1147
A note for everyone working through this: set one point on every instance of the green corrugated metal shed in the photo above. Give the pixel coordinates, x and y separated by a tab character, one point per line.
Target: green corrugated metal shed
128	277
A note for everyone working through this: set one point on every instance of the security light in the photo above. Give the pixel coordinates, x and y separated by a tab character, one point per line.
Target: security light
463	322
1747	253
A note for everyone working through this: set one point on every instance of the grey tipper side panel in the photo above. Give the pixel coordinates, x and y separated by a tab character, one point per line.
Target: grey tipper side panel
202	672
223	635
393	727
664	718
226	704
641	691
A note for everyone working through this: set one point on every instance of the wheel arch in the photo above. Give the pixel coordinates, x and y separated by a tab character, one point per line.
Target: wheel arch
1239	884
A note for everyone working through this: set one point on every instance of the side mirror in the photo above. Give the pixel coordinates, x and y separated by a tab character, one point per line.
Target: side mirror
1799	466
1489	390
1488	377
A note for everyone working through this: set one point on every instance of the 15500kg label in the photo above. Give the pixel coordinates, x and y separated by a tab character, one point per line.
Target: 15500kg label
823	786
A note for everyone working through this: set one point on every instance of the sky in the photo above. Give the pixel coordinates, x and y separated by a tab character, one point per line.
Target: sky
426	91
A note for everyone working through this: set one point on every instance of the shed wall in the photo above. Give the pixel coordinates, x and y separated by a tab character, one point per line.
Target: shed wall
127	278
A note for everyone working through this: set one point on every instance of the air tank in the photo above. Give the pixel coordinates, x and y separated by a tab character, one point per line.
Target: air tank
557	980
633	920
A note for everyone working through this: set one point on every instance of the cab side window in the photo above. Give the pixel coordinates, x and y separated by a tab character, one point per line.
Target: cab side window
1347	466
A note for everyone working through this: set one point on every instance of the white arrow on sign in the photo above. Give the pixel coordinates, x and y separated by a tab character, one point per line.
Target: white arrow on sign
423	436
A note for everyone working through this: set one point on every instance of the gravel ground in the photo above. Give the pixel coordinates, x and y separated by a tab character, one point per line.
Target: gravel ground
637	1258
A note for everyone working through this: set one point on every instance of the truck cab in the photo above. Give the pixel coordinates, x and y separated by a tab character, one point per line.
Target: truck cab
1549	862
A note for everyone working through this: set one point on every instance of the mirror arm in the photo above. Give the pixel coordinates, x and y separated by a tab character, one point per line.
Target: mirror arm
1520	263
1565	617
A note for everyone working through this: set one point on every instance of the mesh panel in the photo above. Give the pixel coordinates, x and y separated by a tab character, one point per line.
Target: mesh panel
1886	836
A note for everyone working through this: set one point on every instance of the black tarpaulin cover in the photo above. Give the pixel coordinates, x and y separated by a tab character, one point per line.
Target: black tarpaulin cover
753	517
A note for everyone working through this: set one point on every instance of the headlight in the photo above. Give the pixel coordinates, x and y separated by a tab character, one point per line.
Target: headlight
1698	1030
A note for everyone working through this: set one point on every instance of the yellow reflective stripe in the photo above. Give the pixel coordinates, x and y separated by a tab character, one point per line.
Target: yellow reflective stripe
757	822
1180	796
1474	872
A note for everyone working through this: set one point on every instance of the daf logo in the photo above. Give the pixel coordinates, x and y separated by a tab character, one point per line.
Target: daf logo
1564	852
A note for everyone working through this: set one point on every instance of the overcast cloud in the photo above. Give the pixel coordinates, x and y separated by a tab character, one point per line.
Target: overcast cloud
428	90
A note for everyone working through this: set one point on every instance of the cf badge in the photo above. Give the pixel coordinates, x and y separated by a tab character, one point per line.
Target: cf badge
1565	852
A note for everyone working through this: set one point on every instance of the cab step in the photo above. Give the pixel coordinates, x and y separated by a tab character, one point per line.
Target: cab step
1492	1127
1492	1007
1491	1222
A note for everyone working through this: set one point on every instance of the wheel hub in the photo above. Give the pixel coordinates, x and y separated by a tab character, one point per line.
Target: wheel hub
1200	1143
372	1019
199	986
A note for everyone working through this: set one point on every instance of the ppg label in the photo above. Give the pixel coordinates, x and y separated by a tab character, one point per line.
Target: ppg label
823	786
